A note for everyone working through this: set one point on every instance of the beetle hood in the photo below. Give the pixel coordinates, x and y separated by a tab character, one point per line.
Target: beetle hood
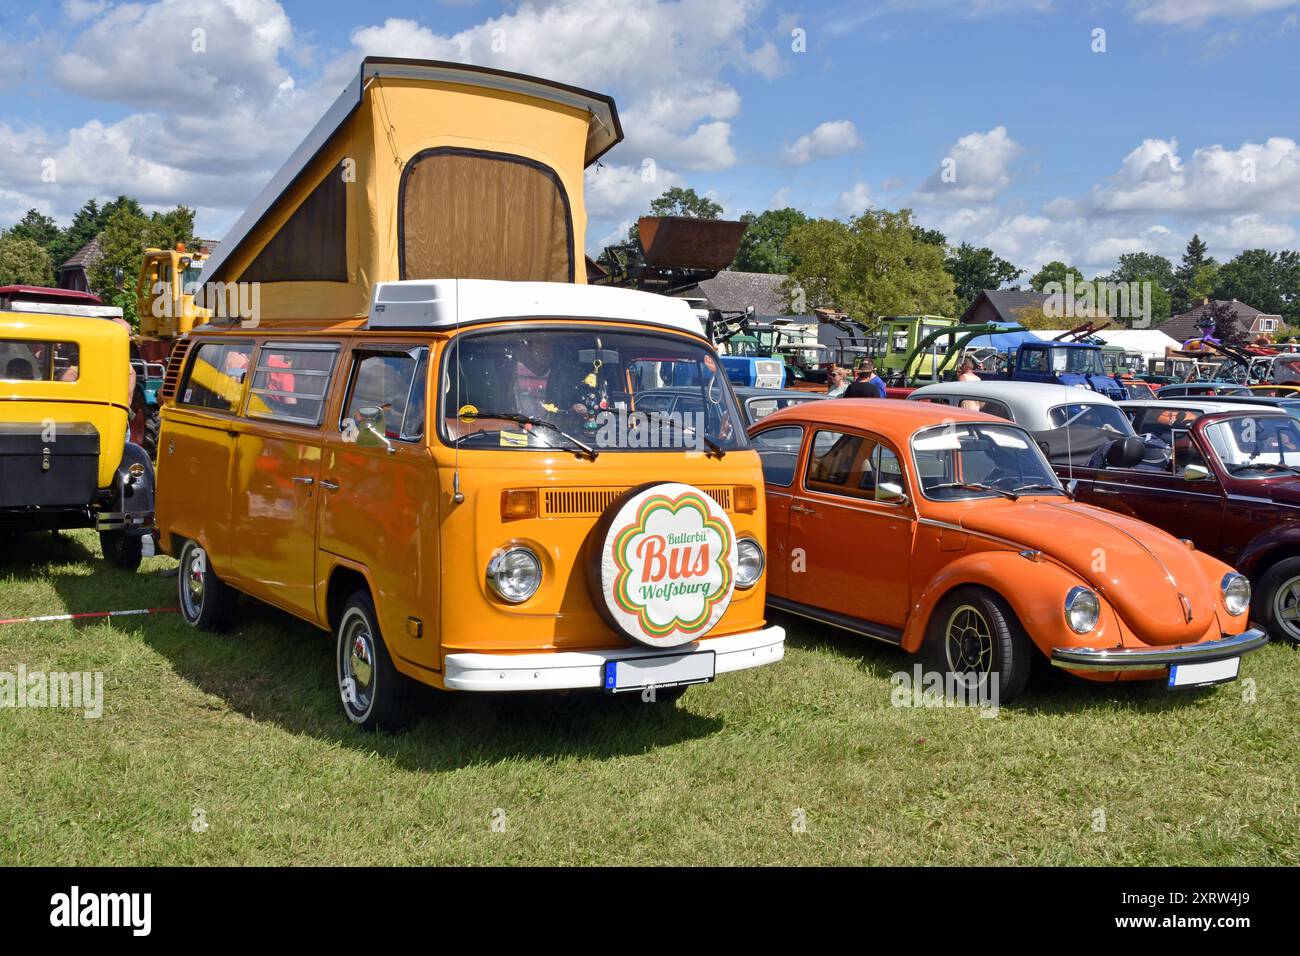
1140	570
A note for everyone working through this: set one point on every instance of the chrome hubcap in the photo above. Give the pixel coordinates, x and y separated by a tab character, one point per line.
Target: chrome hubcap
1286	607
969	642
358	665
193	580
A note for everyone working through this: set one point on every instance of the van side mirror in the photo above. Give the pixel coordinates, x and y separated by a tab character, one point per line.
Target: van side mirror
370	428
1196	473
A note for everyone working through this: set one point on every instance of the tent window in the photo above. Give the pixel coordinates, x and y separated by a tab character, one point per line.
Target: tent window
468	214
312	245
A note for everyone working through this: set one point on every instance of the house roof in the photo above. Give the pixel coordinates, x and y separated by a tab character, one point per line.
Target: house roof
1007	303
1183	327
737	291
84	257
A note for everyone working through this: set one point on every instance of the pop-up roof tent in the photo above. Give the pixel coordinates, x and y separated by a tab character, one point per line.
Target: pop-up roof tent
423	170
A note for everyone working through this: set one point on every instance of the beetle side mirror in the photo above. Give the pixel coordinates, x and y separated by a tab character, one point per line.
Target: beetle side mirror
890	493
1196	473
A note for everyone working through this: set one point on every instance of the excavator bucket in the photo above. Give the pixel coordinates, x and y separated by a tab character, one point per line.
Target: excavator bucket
680	242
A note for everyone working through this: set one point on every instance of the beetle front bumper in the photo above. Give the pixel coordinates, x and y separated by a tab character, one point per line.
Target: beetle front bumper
1152	658
562	670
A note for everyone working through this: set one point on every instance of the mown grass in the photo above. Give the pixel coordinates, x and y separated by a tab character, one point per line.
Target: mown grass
245	728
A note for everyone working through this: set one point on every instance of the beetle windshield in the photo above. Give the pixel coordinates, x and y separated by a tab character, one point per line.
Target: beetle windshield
963	460
609	389
1260	447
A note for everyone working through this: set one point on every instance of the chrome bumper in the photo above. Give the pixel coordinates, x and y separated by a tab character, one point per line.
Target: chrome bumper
123	520
559	670
1150	658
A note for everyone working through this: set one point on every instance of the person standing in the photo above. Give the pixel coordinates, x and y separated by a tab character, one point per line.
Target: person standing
837	380
868	384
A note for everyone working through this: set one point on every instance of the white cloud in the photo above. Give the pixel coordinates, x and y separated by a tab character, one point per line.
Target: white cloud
832	138
976	169
1196	12
854	200
78	11
1153	178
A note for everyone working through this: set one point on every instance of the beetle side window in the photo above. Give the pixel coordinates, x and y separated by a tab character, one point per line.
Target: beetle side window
290	382
852	465
778	449
393	382
216	376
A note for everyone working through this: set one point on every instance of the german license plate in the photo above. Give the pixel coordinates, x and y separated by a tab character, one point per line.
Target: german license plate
1204	674
636	673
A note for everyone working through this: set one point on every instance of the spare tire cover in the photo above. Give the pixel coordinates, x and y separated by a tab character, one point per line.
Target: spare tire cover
663	566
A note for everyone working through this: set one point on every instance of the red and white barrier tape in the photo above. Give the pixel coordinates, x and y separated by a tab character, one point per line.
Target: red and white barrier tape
87	614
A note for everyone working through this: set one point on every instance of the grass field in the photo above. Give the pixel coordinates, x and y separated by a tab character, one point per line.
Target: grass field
245	728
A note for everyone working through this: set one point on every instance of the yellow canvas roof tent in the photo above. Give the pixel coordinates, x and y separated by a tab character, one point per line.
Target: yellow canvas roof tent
422	170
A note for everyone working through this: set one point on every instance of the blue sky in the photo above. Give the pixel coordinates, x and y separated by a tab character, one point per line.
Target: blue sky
1187	122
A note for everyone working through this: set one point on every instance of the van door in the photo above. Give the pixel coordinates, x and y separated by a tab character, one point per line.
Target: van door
276	475
195	460
379	504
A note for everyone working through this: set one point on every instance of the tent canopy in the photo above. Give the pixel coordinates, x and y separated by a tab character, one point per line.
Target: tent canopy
423	170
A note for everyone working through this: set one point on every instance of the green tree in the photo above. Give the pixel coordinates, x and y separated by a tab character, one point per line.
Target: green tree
762	247
38	227
1189	277
870	266
127	233
1143	267
975	269
1258	278
24	262
1054	271
85	225
933	236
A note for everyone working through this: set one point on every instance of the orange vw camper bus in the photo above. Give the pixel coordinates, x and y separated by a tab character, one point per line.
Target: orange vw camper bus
473	483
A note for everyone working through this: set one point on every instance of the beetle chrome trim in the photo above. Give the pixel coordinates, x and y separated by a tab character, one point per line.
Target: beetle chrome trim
1149	658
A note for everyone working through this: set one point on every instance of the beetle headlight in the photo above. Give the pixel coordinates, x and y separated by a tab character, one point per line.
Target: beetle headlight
1236	592
515	574
750	561
1082	608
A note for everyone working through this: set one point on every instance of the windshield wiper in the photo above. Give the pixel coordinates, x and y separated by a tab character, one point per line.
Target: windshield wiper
1039	486
1251	465
715	449
974	486
581	449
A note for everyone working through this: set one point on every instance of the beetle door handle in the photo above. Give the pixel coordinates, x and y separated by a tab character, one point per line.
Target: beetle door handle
304	479
329	485
803	509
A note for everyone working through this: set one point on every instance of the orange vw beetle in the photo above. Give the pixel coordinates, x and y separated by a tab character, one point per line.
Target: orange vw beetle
945	531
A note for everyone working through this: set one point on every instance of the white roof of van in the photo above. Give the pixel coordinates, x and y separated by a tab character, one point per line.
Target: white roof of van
447	303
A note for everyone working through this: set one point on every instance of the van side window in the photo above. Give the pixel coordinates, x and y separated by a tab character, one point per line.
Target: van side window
290	382
216	376
394	382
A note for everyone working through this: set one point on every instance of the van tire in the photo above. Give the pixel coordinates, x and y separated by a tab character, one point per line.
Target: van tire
375	695
152	432
991	622
206	602
122	550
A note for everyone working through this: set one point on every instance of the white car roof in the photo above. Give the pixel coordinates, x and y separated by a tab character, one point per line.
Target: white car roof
1029	401
445	304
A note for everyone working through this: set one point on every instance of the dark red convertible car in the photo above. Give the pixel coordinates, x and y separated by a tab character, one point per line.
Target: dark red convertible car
1230	483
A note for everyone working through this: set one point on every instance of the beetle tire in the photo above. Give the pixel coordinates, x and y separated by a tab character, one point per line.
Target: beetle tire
1011	649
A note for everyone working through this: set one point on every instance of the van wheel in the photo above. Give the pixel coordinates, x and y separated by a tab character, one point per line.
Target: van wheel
1276	604
975	632
207	602
122	550
374	694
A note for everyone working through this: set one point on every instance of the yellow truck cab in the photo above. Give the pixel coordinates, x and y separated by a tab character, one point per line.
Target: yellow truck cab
65	461
471	482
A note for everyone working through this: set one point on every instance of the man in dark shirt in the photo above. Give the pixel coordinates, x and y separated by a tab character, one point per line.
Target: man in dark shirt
868	384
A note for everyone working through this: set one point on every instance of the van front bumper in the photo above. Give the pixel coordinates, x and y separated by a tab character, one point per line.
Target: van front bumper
561	670
1153	658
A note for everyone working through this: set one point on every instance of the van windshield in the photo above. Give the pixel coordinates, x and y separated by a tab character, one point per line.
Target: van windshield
611	390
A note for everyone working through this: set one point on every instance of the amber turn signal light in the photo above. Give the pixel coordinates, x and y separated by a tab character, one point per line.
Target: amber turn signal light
519	503
746	498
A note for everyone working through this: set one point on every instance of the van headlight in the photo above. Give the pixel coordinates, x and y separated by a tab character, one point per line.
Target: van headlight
749	562
1236	592
515	574
1082	608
